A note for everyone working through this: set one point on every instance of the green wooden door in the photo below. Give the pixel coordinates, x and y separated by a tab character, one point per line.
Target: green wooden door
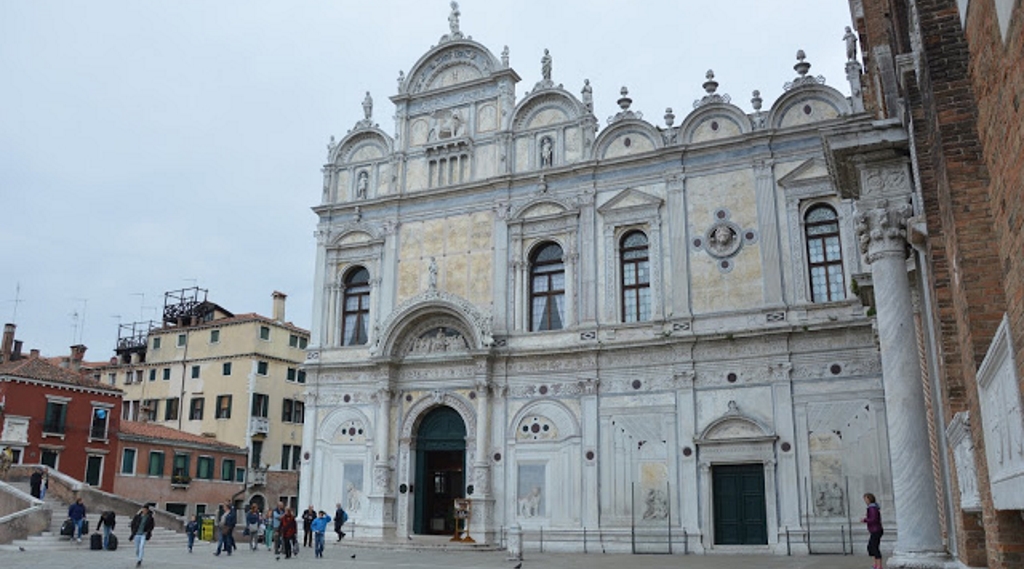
440	468
739	506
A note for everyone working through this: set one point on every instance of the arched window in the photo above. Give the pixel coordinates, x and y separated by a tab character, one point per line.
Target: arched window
547	288
824	254
356	312
636	278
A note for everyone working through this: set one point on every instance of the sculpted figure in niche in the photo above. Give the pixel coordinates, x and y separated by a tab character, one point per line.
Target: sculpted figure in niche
851	44
545	66
353	498
362	185
529	505
546	152
368	106
656	506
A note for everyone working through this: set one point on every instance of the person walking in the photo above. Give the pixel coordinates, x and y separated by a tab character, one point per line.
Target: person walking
35	482
253	529
319	526
227	524
873	519
276	516
191	529
108	520
268	529
289	529
307	526
339	519
76	512
45	486
142	531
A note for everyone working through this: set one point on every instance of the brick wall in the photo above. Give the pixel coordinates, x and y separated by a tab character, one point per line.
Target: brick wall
967	128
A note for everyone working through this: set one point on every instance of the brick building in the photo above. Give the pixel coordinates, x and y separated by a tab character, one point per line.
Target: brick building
182	473
57	416
949	76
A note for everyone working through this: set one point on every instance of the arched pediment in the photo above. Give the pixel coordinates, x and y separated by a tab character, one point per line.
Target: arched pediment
401	324
355	234
807	104
345	418
449	64
627	137
735	426
546	420
547	107
713	121
363	145
542	207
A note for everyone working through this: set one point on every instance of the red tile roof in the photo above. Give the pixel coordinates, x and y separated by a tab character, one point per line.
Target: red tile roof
40	369
162	433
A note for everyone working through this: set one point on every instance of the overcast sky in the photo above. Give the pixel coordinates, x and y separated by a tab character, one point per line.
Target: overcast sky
148	146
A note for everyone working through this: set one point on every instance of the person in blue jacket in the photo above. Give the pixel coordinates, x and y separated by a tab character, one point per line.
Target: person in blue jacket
319	526
77	515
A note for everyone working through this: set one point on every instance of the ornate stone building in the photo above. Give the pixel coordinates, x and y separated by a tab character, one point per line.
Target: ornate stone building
592	328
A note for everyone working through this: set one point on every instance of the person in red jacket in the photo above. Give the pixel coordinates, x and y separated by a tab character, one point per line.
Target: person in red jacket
289	529
873	519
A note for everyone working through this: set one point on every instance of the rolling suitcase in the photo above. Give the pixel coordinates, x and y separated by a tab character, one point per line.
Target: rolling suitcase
112	543
67	528
95	542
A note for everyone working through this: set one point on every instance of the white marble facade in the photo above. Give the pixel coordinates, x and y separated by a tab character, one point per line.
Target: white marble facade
622	414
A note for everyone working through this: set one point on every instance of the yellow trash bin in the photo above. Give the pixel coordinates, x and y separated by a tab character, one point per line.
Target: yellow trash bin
206	530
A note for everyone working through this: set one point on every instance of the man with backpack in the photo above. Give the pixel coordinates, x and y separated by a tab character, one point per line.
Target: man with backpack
340	517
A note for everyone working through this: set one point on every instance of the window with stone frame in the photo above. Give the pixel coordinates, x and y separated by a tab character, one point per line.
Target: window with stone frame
547	288
223	406
824	254
195	412
356	308
56	416
98	428
636	277
260	405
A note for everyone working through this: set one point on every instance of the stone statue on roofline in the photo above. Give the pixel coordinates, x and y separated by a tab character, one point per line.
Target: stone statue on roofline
545	66
368	106
453	19
851	44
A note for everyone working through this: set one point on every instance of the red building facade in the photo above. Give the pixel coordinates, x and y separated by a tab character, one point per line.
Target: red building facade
182	473
54	415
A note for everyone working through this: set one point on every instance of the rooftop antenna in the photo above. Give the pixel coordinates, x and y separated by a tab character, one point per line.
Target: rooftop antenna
80	329
142	303
17	300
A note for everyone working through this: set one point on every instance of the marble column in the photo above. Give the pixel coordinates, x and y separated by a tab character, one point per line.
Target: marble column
881	228
482	529
381	497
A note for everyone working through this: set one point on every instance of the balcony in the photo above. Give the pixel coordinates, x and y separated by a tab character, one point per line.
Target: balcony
180	481
259	425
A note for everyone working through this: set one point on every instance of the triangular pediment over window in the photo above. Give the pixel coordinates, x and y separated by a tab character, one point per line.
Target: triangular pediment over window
813	171
630	200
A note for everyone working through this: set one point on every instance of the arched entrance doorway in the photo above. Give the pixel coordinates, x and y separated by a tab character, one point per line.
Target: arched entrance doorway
440	470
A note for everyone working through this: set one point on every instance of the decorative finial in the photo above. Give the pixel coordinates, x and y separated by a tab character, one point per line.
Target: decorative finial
624	101
801	67
670	117
624	104
756	100
453	19
710	86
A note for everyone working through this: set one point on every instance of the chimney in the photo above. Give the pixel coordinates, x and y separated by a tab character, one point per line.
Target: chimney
279	298
77	355
34	353
16	355
8	343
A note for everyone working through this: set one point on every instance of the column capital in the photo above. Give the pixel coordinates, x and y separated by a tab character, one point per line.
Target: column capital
882	229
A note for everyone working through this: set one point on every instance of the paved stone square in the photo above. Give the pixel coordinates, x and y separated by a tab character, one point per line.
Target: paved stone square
340	556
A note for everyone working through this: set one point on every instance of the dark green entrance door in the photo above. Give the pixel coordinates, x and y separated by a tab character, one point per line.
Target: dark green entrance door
440	470
739	506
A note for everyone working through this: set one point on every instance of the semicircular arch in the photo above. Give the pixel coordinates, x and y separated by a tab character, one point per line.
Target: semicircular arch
423	74
565	422
712	121
619	139
792	107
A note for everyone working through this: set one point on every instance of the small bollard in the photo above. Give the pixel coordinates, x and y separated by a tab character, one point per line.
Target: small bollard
515	543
